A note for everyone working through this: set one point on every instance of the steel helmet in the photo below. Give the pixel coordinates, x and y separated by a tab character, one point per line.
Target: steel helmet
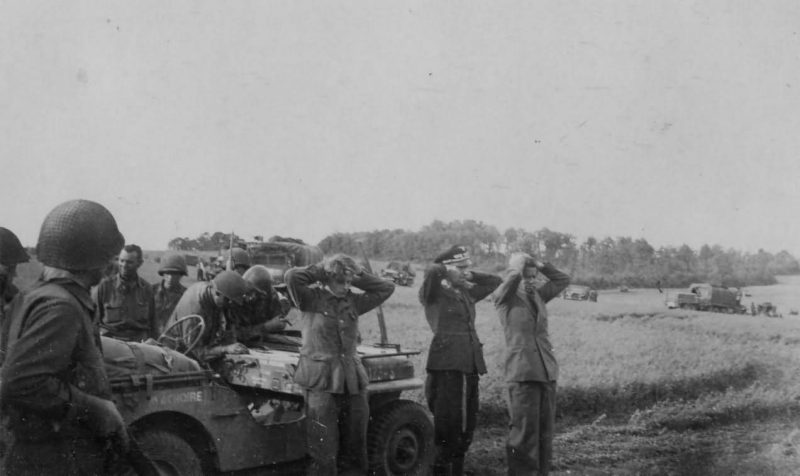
230	285
78	235
172	263
260	277
240	257
11	250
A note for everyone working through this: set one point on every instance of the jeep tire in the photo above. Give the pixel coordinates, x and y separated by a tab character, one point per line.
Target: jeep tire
400	440
170	454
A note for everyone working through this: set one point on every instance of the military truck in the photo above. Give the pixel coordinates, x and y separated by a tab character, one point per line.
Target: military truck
248	414
402	274
280	254
705	297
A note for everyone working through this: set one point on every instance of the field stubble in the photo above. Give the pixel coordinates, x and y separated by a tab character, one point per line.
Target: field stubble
643	389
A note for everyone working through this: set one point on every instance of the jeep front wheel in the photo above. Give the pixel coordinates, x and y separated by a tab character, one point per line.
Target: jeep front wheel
171	455
400	440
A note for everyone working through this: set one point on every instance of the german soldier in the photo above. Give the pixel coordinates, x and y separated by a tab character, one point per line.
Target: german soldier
329	368
531	370
455	359
55	394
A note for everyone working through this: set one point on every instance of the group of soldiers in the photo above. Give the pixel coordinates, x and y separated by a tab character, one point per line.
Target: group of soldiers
55	396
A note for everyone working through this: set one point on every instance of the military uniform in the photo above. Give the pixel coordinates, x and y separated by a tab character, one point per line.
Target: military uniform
455	361
219	327
329	368
52	354
531	369
256	310
125	308
164	302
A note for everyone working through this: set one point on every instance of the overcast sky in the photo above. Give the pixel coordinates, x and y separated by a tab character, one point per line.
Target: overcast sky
673	121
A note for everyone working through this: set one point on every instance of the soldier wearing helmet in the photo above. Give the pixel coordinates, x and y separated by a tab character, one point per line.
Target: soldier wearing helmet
329	368
125	305
213	300
55	396
168	292
11	254
239	260
263	310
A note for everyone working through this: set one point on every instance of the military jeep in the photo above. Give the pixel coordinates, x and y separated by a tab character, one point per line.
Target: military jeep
249	415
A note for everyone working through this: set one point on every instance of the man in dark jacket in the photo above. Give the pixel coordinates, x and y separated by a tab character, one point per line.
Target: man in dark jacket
455	359
531	370
329	368
55	397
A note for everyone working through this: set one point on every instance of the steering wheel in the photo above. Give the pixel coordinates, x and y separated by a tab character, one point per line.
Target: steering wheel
184	334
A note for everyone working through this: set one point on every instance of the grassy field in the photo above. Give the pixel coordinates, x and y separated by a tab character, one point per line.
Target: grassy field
643	390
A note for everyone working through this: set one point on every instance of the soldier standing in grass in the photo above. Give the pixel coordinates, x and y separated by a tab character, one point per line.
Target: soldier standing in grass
168	292
455	359
55	397
125	306
330	369
531	370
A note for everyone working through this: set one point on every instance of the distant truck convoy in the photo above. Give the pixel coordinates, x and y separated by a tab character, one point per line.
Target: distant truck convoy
705	297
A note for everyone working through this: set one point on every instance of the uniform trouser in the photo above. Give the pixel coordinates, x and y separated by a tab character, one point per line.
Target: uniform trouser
453	399
337	432
57	457
532	411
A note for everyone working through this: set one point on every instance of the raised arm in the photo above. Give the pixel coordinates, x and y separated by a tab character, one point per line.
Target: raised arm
298	282
483	284
432	283
557	282
376	290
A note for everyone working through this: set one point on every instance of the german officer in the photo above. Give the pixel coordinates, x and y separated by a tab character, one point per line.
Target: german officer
455	360
329	368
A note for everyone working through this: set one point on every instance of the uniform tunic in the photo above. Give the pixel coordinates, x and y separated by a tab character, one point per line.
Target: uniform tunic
455	360
165	300
329	367
219	328
531	369
125	308
52	354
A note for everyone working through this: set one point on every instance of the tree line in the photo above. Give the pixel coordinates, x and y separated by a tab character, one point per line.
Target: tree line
601	263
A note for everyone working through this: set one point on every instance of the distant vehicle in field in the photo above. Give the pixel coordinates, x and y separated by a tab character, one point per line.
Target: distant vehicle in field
577	292
402	274
768	309
705	297
280	254
624	289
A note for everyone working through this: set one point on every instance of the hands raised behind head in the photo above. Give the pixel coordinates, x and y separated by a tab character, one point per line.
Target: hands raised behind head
518	261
